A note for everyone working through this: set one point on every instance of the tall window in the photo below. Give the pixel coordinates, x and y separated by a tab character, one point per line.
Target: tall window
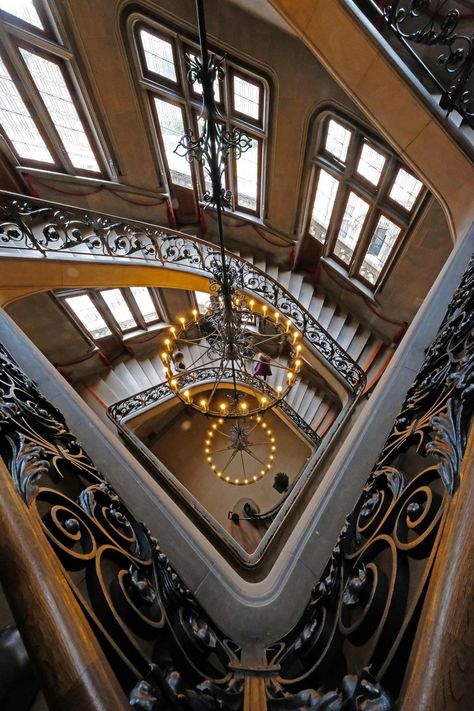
43	117
242	100
362	201
104	312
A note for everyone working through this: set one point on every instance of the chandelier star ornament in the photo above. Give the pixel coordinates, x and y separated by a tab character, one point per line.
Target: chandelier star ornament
227	353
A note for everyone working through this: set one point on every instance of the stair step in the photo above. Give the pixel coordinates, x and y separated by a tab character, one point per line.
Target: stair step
327	312
128	380
348	332
316	304
103	391
306	294
294	287
116	385
150	372
158	367
139	374
312	409
284	278
309	395
301	390
359	342
273	271
336	324
260	264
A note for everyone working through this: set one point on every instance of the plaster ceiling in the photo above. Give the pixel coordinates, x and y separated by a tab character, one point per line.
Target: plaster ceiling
263	10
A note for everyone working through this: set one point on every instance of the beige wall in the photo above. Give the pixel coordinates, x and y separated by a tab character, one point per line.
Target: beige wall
300	86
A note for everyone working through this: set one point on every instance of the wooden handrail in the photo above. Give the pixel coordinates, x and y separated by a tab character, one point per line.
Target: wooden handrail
73	670
441	674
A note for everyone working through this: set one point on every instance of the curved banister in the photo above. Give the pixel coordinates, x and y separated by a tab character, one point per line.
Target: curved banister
157	394
48	229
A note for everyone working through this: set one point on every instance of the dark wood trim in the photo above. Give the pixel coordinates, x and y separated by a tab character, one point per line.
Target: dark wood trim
440	674
73	671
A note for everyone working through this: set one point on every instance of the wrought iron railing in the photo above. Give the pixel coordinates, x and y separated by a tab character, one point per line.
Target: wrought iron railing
159	641
357	631
352	645
157	394
436	39
37	227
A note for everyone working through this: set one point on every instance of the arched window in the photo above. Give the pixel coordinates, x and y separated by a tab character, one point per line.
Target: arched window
362	200
44	120
242	100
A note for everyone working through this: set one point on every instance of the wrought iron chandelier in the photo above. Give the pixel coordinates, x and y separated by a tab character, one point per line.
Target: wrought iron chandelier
249	444
218	362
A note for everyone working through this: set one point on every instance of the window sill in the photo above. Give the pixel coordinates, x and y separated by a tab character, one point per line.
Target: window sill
87	181
336	269
155	328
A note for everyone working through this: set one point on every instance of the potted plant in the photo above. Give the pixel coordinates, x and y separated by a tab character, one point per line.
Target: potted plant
281	482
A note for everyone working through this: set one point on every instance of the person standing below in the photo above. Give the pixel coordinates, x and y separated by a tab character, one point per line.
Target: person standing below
263	369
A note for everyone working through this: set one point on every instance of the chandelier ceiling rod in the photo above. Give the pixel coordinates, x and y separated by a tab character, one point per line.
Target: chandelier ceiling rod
209	110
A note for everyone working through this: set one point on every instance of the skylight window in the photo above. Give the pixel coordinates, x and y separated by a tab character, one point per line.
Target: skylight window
247	178
323	205
170	118
351	226
119	308
158	55
348	214
202	300
241	98
17	122
406	189
380	248
24	10
337	140
246	97
54	91
371	164
145	303
88	315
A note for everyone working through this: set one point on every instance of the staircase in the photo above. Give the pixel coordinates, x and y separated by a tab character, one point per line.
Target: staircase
316	406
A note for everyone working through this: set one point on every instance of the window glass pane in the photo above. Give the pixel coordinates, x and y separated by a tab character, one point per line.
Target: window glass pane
88	315
246	97
119	309
172	130
323	205
337	140
379	250
202	300
197	88
371	164
17	122
405	189
351	226
247	177
145	303
54	91
24	10
158	55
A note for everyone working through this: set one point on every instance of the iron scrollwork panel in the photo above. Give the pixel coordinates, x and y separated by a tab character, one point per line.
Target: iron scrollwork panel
159	393
163	647
36	226
351	646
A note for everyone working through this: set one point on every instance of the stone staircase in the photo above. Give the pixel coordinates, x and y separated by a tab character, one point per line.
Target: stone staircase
317	407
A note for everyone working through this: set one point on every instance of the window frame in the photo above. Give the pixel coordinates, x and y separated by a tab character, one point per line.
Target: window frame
16	34
106	314
182	93
377	196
